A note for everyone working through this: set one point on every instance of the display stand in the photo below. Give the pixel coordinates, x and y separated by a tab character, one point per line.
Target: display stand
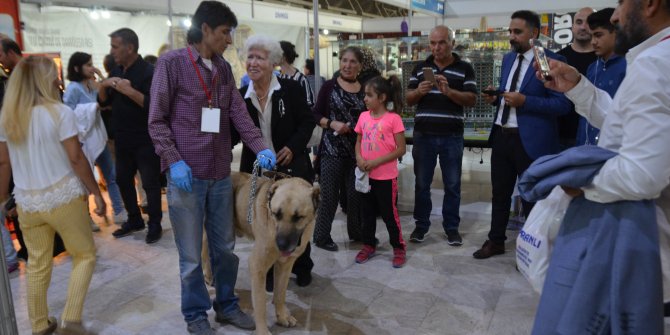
483	49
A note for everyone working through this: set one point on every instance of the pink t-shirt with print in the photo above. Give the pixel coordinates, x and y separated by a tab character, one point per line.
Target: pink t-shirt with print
378	140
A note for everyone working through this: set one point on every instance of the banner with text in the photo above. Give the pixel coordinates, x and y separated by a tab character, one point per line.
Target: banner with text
434	7
558	27
68	32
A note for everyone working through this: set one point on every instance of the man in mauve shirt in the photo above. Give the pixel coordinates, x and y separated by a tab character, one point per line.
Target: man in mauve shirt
194	102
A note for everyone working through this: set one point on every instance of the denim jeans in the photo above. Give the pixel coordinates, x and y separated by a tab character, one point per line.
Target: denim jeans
425	151
106	164
8	245
209	204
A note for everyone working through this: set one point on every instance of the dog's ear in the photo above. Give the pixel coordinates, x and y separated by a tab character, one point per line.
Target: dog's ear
271	193
316	192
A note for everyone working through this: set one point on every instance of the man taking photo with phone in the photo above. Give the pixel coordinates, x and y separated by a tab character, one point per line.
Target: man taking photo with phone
438	130
635	123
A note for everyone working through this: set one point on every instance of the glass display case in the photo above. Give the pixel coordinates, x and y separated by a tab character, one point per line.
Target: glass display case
390	53
483	49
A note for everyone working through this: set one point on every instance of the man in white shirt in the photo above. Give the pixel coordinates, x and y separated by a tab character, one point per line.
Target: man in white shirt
636	122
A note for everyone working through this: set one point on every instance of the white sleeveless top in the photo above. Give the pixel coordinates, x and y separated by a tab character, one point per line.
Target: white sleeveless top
43	176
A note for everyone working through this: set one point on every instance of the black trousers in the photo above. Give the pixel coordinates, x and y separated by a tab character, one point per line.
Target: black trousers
303	264
381	200
509	160
140	158
334	170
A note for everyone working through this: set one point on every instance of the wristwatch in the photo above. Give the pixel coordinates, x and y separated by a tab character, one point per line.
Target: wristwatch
328	123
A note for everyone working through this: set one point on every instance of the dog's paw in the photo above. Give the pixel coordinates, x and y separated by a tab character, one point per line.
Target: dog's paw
286	321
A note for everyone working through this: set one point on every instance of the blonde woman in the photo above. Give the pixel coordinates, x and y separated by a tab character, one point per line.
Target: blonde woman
38	142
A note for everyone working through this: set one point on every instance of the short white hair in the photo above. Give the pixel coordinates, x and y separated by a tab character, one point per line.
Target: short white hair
267	43
450	33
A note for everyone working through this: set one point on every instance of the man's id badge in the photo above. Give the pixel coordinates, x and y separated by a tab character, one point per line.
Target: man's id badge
211	119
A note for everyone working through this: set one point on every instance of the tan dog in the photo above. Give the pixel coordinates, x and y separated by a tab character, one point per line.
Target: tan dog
284	212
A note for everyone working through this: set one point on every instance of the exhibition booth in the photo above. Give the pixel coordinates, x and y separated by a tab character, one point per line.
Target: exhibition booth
398	43
60	28
70	26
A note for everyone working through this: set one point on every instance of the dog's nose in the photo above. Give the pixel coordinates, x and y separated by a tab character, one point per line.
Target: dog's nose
283	243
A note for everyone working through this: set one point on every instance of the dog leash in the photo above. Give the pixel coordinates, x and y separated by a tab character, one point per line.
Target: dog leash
252	192
274	175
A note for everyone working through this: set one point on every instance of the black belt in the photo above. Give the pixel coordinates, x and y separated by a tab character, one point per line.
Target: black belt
509	130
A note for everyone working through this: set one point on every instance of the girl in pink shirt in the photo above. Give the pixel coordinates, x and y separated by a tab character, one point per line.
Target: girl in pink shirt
380	142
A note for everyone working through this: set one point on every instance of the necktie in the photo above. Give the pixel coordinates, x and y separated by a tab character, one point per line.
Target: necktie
512	88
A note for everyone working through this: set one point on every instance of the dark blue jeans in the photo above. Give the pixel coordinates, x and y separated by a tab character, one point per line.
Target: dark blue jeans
106	164
208	206
425	151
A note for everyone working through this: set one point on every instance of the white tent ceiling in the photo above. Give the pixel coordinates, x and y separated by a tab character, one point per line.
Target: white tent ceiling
453	8
465	8
459	13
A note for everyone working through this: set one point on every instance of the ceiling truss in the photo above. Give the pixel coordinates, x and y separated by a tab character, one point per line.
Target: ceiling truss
358	8
361	8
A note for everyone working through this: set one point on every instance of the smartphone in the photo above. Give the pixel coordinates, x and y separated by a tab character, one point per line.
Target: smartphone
492	92
429	76
541	58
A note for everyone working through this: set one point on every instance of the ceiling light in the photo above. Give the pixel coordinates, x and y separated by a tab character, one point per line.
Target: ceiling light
187	23
168	23
325	31
105	14
94	15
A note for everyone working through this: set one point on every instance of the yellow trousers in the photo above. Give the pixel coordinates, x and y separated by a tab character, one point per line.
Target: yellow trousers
71	221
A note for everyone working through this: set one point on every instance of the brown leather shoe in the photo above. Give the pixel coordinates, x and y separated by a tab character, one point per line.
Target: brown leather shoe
72	328
489	249
50	329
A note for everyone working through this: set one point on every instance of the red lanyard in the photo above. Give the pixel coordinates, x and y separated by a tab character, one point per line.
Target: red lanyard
664	38
208	93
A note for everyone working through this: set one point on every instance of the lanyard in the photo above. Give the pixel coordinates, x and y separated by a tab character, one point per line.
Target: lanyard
208	93
664	38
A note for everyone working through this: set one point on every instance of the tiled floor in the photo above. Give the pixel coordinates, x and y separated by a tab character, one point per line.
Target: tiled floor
441	290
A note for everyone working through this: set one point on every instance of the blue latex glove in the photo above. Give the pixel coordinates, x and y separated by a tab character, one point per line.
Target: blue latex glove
266	159
180	174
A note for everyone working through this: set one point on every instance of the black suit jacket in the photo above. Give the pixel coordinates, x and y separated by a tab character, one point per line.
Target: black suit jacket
292	124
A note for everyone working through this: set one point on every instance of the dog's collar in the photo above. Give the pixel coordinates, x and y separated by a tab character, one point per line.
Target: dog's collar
276	175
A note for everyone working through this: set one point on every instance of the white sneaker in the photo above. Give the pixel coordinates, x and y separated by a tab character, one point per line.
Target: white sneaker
121	217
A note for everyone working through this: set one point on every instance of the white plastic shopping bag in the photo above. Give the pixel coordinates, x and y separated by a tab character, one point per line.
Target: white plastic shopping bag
315	139
535	240
362	183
